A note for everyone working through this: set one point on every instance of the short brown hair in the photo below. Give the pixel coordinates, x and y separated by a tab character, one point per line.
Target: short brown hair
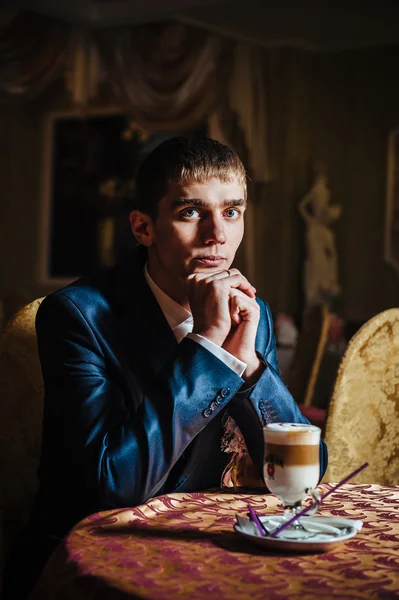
181	159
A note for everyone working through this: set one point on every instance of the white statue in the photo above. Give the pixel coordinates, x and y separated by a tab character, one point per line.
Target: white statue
321	269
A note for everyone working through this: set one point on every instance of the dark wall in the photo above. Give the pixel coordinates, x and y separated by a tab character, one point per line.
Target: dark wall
20	166
337	108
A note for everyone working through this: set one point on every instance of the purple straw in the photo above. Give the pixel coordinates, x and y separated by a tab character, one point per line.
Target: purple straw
256	520
305	510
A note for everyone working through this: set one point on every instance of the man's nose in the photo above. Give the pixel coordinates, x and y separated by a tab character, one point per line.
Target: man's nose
214	231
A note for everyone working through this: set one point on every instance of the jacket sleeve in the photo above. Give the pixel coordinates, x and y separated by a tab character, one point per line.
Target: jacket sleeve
267	401
125	450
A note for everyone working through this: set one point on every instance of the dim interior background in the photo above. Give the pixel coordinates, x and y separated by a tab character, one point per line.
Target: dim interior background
322	87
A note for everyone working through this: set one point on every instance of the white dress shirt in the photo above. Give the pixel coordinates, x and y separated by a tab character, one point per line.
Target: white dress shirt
181	322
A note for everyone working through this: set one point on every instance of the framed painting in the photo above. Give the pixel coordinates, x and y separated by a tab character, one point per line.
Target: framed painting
391	241
89	167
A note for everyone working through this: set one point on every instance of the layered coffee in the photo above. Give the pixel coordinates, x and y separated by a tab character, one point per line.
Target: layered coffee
291	463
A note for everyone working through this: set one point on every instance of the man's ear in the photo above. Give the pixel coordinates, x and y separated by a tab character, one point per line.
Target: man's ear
142	227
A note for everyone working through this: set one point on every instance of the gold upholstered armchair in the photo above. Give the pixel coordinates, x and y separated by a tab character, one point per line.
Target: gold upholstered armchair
21	407
363	416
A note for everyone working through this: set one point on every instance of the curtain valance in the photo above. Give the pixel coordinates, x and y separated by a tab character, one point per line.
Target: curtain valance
165	74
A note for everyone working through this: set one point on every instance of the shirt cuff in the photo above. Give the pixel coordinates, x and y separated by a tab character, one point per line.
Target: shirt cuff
228	359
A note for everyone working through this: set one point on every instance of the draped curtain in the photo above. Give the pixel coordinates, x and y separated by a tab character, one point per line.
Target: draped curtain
33	54
247	97
167	74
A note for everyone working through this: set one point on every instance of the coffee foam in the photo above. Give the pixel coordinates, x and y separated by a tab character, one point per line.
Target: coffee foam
291	434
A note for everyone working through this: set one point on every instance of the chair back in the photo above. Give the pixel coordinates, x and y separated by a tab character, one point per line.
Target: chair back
363	417
302	375
21	408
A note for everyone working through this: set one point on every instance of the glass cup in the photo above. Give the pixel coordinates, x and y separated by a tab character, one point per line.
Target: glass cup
292	464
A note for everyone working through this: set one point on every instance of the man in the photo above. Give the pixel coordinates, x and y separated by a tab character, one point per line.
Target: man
144	362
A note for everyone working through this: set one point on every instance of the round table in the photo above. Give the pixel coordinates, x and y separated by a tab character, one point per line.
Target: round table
183	546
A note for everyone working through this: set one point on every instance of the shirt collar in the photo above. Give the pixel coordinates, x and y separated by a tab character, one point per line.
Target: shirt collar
174	313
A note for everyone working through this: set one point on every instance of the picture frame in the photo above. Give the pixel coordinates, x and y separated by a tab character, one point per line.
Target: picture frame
74	212
88	189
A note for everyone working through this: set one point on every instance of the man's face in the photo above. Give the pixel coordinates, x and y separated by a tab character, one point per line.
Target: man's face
198	228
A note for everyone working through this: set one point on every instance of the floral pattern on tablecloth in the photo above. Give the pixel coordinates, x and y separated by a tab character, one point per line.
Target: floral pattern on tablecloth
182	546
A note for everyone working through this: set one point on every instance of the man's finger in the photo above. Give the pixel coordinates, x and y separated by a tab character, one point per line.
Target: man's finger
241	283
235	310
232	277
242	298
197	276
235	271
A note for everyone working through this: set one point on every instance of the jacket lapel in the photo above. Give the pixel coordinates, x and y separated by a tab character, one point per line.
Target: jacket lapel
141	315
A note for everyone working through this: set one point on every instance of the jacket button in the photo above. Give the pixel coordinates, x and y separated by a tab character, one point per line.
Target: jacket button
213	405
207	412
224	392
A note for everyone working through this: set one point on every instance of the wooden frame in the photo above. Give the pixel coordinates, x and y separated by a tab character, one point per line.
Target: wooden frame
44	274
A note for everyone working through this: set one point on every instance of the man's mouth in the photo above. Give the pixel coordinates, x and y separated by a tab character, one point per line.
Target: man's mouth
210	261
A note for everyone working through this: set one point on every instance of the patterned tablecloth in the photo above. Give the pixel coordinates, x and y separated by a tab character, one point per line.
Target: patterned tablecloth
183	546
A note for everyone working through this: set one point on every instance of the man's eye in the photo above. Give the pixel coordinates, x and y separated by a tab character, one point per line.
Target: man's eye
189	213
232	213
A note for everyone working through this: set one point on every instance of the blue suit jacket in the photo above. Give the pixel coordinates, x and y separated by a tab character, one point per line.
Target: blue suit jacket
128	412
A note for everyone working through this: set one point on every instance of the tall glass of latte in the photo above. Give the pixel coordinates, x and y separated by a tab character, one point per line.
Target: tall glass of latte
292	463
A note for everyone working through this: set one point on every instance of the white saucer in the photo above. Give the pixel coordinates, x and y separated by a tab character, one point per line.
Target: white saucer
322	533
